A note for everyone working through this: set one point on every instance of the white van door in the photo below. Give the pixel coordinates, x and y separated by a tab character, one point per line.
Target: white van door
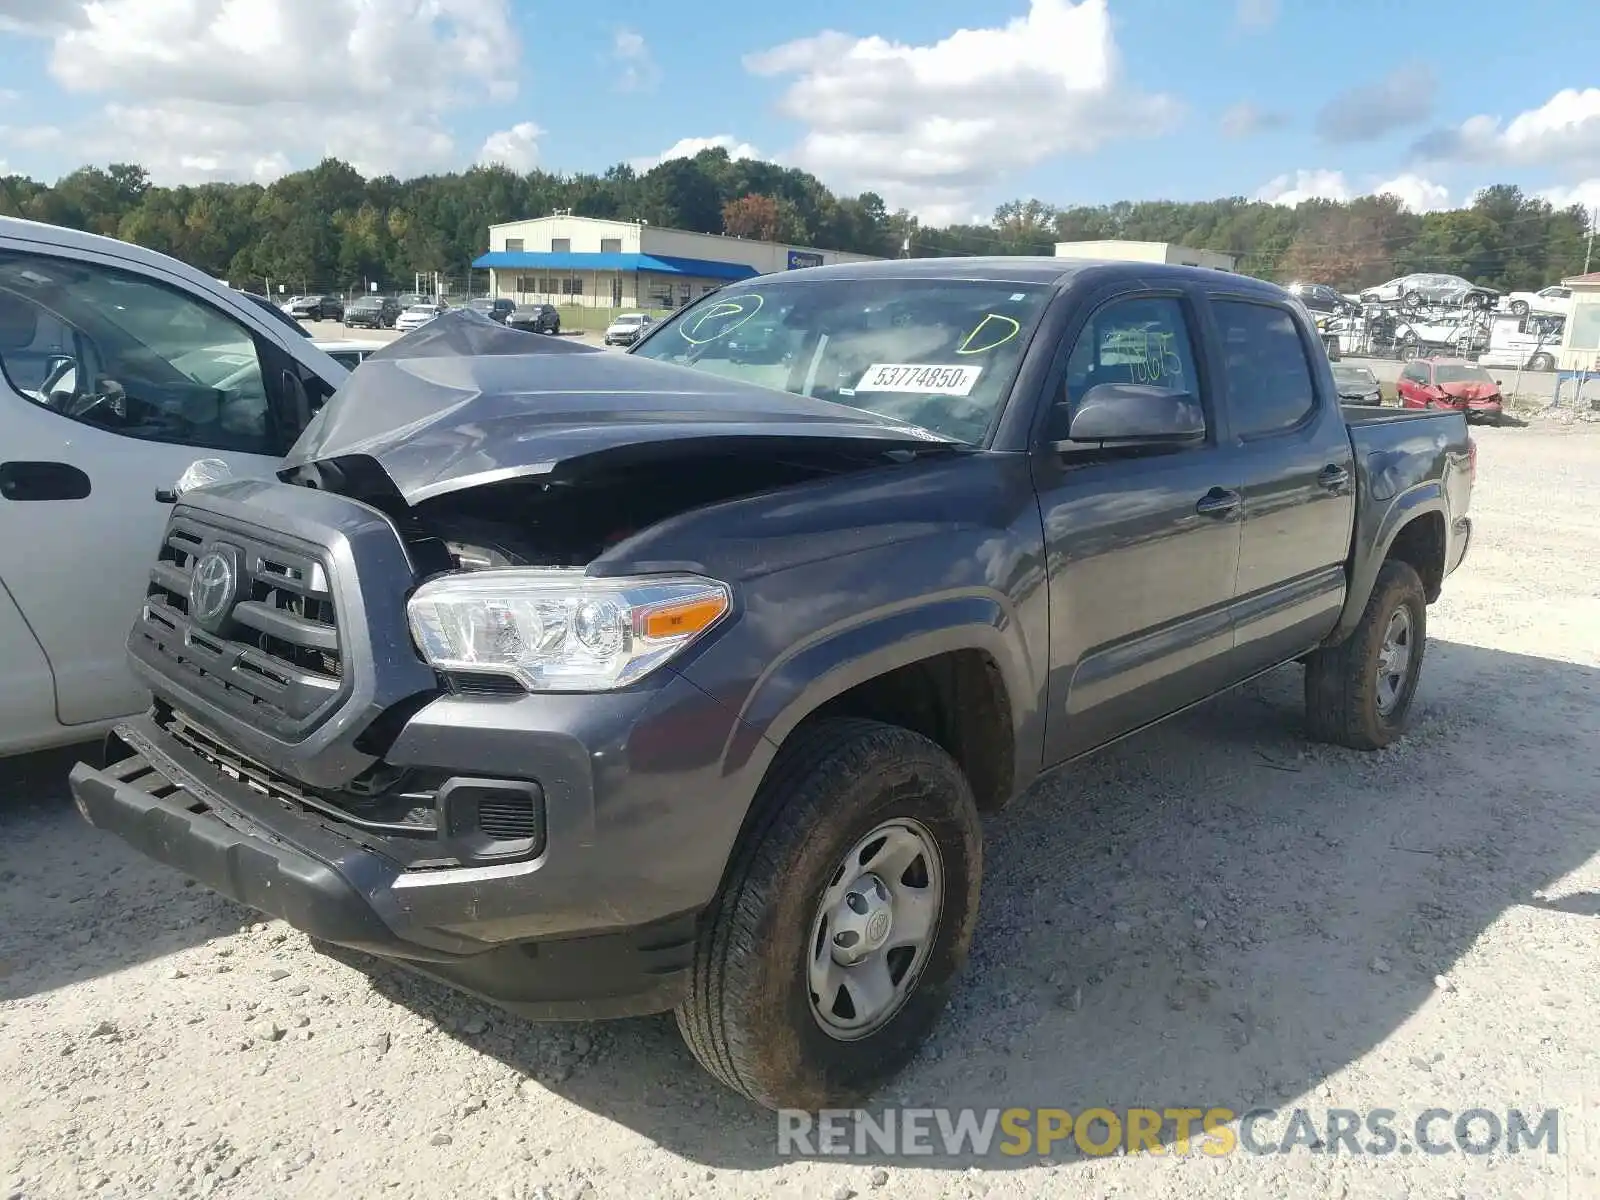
115	379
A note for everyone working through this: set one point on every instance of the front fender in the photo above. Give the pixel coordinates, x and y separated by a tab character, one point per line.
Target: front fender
837	659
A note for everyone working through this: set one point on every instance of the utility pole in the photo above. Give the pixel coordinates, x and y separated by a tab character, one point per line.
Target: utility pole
1588	250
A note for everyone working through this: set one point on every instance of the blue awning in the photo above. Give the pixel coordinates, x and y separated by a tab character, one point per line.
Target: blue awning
661	264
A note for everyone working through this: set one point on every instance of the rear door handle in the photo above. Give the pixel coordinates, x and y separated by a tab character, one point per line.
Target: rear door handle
42	481
1218	503
1333	477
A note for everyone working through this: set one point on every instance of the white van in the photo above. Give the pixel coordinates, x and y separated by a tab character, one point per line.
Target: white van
1529	342
118	368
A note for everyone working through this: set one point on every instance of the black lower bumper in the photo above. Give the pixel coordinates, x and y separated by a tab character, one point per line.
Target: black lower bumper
330	888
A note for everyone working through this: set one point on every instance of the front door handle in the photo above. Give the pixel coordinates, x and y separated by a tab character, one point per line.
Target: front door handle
42	481
1218	503
1333	477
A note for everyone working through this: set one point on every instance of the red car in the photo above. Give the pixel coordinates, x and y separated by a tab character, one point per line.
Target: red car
1449	383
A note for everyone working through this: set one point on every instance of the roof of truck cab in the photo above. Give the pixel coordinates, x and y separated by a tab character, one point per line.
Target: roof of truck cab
1015	268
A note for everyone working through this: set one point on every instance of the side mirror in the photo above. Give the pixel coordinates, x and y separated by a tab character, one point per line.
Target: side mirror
1135	414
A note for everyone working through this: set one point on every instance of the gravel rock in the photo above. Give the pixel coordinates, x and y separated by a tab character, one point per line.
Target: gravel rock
474	1025
879	1177
1380	966
440	1139
266	1030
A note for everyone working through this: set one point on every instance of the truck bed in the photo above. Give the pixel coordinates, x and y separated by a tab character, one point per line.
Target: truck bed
1373	414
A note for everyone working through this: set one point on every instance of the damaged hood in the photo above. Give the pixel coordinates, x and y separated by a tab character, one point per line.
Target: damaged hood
465	401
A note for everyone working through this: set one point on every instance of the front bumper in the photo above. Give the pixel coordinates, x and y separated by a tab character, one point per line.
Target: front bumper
576	933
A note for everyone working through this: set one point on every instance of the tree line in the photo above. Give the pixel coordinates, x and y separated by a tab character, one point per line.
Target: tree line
330	228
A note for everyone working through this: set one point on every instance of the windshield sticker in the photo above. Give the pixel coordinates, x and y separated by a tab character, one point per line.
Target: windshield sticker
927	379
988	334
720	319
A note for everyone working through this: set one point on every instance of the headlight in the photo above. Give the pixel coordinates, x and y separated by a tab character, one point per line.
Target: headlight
560	630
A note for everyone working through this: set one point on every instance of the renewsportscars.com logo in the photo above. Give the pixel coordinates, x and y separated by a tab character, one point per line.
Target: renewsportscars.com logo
977	1133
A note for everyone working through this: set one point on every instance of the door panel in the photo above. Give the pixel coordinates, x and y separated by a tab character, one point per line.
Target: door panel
157	378
1140	586
1298	482
1142	550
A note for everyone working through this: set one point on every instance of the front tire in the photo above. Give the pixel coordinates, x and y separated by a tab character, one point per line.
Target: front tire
1359	692
857	873
1542	362
1519	308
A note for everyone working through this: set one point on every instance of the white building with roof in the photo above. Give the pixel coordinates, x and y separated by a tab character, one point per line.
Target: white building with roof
1154	252
596	263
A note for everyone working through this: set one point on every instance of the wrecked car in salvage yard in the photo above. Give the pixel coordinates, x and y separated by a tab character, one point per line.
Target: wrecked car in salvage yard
607	684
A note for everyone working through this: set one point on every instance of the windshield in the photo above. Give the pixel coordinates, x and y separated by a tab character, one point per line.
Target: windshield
1356	376
938	353
1461	374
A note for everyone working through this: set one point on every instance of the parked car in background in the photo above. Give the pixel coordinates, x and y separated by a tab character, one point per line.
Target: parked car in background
1320	298
418	315
496	308
1419	289
315	308
1553	299
1454	384
1528	342
1356	385
372	312
535	318
119	367
349	354
627	329
276	312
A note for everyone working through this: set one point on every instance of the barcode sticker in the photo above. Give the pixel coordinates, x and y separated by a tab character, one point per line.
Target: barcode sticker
922	378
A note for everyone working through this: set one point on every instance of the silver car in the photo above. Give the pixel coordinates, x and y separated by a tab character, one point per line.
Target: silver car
1425	288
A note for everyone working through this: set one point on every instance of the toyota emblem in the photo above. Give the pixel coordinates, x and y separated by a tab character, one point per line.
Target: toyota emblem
212	586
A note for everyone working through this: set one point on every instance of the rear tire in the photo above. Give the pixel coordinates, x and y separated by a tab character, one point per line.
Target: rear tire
1542	362
752	1017
1519	308
1358	693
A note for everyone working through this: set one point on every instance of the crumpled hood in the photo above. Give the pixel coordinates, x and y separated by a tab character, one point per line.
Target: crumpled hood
465	401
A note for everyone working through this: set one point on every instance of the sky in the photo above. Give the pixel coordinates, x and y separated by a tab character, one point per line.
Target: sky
943	107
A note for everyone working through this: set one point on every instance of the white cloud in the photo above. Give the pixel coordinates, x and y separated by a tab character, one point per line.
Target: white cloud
1585	195
517	147
937	127
690	146
1290	190
1564	132
637	65
1246	120
244	89
29	137
38	16
1416	193
1256	14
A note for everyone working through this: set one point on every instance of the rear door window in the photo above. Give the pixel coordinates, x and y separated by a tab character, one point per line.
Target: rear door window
1270	387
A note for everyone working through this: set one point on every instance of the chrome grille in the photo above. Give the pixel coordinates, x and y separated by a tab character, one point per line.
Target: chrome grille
271	651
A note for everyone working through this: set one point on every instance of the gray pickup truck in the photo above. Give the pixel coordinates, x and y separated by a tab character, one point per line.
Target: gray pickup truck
602	683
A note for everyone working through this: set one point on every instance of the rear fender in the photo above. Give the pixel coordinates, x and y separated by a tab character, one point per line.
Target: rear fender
1373	542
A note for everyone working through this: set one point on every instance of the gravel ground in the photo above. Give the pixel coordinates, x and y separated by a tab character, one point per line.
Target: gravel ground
1212	914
